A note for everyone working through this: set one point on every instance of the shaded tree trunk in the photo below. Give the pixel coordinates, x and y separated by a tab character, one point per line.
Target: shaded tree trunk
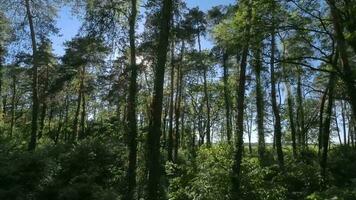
35	101
132	104
326	131
13	104
154	133
291	118
227	98
259	105
277	118
171	138
236	168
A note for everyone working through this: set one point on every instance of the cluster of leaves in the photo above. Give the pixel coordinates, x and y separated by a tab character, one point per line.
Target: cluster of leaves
92	169
208	176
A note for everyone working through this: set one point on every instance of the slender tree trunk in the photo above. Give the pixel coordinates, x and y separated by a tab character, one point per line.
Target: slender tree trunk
337	127
326	131
179	137
290	103
236	168
171	137
277	118
13	105
2	117
44	104
301	129
206	97
343	120
321	121
79	103
227	98
154	133
259	105
82	118
35	101
132	104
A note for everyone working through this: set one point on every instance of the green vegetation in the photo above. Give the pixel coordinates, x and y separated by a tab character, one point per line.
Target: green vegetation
250	101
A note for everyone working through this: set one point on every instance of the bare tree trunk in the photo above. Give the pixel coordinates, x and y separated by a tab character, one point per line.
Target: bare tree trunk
227	98
13	104
337	127
132	104
171	138
259	104
291	118
277	118
154	133
35	101
326	131
236	168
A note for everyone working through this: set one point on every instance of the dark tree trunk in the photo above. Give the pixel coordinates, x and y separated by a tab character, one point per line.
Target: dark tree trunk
75	133
236	168
178	136
343	120
259	105
13	104
321	121
275	107
154	133
227	98
171	137
337	127
2	114
44	104
300	110
82	118
35	101
132	104
326	131
291	118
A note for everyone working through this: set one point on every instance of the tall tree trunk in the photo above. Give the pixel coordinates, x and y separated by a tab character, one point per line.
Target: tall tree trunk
132	104
259	104
44	104
75	133
343	120
2	114
227	98
236	168
321	121
337	127
206	97
347	75
275	107
13	104
300	110
290	103
326	131
171	138
35	101
82	118
154	133
179	93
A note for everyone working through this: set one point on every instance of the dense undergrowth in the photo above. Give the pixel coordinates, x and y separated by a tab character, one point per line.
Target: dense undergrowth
95	169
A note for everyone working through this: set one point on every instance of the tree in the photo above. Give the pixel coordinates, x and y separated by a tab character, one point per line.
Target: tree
132	117
154	133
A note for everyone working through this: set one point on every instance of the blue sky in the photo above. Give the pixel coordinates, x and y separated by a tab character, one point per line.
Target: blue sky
69	24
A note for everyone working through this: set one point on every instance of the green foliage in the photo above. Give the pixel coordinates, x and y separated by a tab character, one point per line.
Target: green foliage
342	165
91	169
